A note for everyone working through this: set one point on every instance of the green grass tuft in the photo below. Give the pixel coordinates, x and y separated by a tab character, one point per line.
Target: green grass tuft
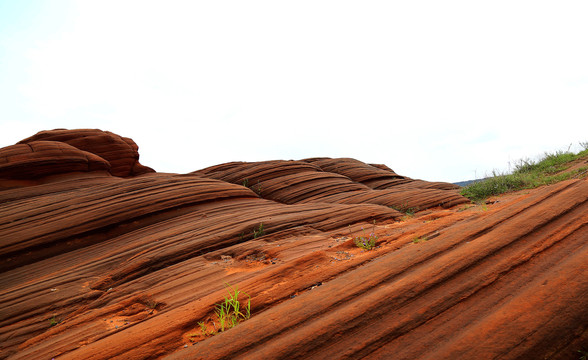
54	321
527	174
419	239
406	209
258	232
495	185
549	164
204	330
229	312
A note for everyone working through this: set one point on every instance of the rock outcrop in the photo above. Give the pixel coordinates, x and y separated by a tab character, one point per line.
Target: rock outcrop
38	159
121	153
126	266
345	181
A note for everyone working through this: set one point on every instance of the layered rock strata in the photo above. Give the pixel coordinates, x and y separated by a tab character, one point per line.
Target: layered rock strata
124	264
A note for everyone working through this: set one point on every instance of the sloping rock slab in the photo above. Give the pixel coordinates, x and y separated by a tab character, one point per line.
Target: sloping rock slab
82	251
511	285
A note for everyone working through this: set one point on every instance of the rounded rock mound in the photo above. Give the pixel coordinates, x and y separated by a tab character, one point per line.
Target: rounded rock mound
120	152
38	159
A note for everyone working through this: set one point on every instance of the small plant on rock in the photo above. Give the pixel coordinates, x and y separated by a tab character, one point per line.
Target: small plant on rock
229	312
204	330
152	303
259	232
54	321
366	242
406	209
419	239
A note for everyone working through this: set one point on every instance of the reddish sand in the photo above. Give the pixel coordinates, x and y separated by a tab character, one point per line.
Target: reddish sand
127	262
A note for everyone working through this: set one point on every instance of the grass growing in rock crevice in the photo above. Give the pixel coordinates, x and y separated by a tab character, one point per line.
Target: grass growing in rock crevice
229	312
528	174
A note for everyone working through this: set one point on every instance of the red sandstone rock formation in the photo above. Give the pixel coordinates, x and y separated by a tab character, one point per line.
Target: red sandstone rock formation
37	159
344	181
120	152
376	176
106	267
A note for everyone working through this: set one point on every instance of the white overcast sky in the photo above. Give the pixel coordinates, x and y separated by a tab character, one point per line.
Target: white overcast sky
436	90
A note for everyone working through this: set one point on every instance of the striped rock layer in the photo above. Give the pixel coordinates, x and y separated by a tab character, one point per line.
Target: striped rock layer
103	266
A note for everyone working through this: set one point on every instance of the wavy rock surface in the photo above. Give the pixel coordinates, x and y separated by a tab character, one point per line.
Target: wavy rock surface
106	267
44	158
375	176
344	181
121	153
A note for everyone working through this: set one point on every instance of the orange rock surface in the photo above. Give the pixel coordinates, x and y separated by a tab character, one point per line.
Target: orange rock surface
103	264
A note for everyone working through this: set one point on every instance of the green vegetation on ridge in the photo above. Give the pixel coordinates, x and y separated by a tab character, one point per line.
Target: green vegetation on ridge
529	174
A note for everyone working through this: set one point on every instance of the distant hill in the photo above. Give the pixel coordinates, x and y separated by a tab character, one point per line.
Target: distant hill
467	182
